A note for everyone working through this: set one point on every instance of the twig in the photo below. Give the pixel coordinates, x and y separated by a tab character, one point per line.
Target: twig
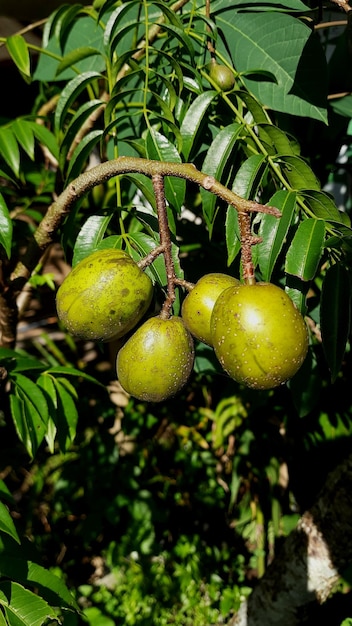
165	241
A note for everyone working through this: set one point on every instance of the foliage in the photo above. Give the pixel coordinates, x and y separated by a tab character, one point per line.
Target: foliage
131	79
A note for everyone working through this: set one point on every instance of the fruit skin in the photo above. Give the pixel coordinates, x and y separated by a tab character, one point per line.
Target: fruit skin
259	336
198	305
222	76
156	361
104	296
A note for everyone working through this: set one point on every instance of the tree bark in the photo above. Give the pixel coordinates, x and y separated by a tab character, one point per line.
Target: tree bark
311	560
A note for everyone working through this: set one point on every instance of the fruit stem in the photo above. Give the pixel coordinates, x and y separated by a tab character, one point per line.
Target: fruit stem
165	244
247	241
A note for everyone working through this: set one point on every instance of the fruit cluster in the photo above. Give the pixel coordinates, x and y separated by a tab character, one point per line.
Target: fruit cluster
258	335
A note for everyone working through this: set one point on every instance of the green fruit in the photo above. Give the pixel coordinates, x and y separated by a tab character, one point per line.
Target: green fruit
259	336
104	296
222	76
198	305
156	361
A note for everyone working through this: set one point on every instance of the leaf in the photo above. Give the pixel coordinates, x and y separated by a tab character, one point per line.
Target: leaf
66	416
305	251
232	234
89	237
70	93
284	46
323	206
159	148
215	164
144	244
335	315
249	176
46	137
24	606
82	153
24	135
9	149
6	524
298	173
273	232
5	227
75	125
306	385
193	119
29	411
75	56
51	588
18	50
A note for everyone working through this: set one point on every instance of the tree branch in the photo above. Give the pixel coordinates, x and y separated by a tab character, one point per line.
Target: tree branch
310	562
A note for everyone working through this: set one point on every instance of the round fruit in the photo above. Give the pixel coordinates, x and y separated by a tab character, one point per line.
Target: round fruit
156	361
222	76
198	305
259	336
104	296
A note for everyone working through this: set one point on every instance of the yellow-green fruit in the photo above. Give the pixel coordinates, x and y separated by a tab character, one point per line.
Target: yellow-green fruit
258	335
104	296
222	76
198	305
156	361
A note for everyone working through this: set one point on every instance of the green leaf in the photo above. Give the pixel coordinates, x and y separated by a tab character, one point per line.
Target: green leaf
66	416
277	140
51	588
73	128
29	411
335	315
6	524
305	386
18	50
305	251
323	206
273	232
285	47
144	244
70	93
193	119
249	176
24	606
5	227
159	148
82	153
90	235
9	149
46	137
298	173
216	163
232	234
75	56
24	135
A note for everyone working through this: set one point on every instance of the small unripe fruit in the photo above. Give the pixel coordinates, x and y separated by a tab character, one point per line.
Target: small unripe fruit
156	361
104	296
222	76
198	305
259	336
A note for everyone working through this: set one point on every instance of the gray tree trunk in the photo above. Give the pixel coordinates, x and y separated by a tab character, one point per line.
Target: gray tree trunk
310	562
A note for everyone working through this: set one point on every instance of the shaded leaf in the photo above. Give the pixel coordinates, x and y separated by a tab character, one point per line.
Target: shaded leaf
249	176
298	173
159	148
75	56
335	315
82	153
6	524
24	135
70	93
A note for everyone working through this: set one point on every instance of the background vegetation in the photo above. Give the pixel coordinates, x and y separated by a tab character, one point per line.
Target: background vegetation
116	511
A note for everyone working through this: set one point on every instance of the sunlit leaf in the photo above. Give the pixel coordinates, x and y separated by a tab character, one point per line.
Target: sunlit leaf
9	149
23	606
90	235
7	526
5	227
70	93
193	119
305	251
273	231
18	50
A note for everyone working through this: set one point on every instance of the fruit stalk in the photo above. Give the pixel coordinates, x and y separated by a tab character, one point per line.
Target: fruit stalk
247	241
165	242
